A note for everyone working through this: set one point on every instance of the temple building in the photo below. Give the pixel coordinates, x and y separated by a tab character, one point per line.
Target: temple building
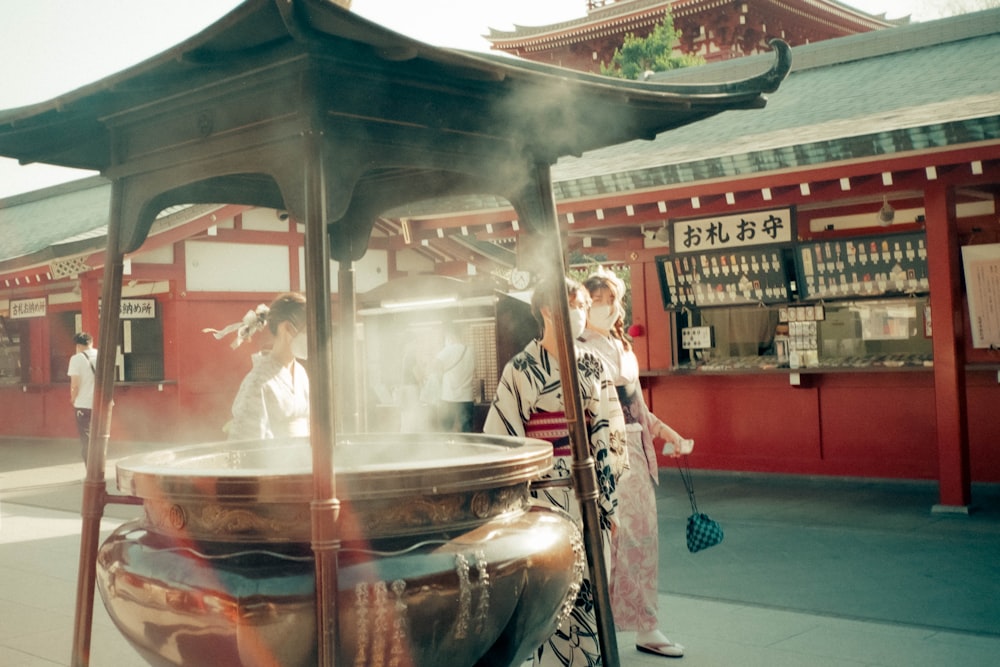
713	29
810	281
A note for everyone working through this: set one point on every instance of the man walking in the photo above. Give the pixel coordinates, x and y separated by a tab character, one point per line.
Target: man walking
82	370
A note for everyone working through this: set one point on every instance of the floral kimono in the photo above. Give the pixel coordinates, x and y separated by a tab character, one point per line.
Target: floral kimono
635	551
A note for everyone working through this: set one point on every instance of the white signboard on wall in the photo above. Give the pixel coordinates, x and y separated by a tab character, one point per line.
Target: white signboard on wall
982	282
24	308
137	309
741	230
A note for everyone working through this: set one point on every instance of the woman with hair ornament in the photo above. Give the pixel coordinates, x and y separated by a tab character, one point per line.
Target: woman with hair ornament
273	399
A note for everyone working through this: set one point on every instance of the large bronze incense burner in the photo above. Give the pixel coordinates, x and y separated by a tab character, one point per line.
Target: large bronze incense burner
441	554
301	106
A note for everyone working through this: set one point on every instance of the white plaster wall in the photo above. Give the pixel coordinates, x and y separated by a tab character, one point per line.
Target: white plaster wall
409	261
236	267
164	255
264	220
369	272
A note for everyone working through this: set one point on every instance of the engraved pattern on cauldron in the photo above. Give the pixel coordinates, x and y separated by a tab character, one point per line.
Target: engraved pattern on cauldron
225	522
454	510
291	521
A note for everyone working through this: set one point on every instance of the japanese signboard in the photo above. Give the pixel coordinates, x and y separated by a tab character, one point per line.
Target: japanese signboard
741	230
137	309
982	280
25	308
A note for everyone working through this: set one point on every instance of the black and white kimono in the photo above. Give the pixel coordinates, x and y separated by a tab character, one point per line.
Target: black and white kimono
529	402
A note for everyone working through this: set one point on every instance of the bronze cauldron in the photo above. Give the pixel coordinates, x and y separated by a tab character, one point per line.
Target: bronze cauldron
443	559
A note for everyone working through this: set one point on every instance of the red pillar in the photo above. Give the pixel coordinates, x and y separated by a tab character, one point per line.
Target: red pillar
944	270
90	298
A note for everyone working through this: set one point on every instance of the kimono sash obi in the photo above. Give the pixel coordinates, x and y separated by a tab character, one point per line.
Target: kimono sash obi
550	426
626	399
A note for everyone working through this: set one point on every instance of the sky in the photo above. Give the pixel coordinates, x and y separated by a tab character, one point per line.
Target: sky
51	47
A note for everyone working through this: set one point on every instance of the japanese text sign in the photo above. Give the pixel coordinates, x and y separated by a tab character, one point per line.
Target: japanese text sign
137	309
25	308
982	278
740	230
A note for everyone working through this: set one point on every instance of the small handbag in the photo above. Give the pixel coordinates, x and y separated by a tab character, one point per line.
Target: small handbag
702	531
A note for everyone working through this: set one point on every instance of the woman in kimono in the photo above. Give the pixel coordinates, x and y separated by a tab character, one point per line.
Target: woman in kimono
529	402
273	399
634	554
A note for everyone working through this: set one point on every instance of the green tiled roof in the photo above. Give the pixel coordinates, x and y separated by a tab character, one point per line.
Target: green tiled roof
914	87
36	221
927	85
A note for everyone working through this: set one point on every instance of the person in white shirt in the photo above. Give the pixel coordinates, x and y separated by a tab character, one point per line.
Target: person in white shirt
82	371
456	364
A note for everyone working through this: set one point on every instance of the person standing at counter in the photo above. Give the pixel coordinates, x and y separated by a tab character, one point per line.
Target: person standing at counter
273	399
635	550
529	402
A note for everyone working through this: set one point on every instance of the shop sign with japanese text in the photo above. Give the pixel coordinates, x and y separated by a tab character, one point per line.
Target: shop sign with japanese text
137	309
741	230
25	308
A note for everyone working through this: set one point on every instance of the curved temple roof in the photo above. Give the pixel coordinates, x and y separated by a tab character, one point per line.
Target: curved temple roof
208	117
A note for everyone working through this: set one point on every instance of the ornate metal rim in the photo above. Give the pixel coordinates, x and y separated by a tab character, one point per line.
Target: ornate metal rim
369	467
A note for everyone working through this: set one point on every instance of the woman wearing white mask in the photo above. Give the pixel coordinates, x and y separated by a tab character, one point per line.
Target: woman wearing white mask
635	551
273	399
529	402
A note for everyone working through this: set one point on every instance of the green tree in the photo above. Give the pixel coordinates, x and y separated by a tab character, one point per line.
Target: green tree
654	53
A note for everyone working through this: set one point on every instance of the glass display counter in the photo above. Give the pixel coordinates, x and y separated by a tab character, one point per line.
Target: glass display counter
853	335
824	304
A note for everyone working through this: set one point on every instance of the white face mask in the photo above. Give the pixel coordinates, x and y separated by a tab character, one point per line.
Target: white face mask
577	321
300	346
603	317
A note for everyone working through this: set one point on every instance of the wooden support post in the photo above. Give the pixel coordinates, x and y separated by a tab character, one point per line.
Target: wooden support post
539	205
94	486
944	270
325	506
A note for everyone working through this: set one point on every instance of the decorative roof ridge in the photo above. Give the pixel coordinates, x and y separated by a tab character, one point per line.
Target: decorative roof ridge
614	9
860	16
623	7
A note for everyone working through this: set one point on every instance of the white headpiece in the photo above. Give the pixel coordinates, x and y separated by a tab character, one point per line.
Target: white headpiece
252	322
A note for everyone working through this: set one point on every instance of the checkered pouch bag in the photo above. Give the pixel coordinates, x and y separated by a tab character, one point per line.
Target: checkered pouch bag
702	531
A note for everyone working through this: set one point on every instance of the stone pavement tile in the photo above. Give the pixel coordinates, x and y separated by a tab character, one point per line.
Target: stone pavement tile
711	649
12	658
38	591
17	620
108	647
895	646
719	634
